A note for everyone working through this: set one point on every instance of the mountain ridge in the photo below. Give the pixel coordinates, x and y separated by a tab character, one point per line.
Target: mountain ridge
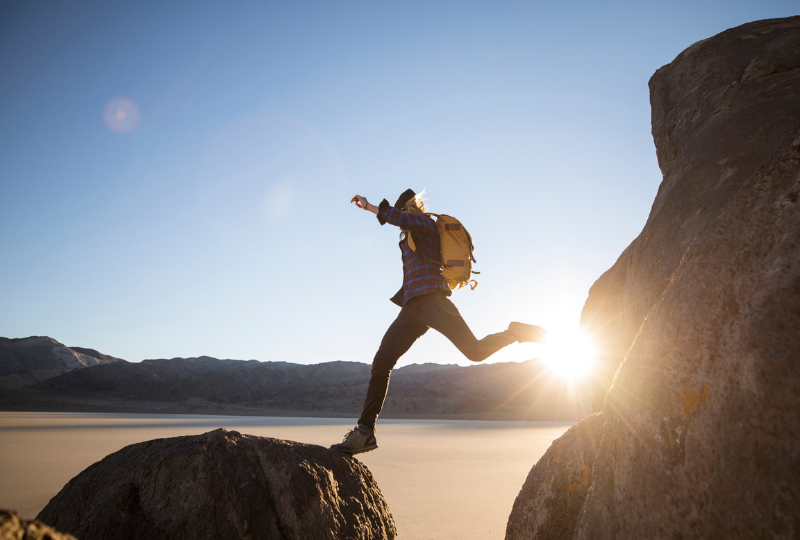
25	362
207	385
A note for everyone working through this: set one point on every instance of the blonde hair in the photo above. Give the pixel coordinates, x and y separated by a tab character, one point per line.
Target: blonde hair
416	204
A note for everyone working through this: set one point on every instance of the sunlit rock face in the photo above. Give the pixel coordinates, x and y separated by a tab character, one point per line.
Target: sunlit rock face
724	117
702	435
551	499
222	485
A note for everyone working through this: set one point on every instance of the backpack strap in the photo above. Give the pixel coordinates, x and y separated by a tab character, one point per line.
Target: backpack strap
412	245
440	265
422	257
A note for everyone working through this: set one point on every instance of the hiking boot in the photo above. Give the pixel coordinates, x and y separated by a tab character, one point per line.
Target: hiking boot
527	332
356	442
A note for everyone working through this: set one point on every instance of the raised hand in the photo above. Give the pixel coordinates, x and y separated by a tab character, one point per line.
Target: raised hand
360	201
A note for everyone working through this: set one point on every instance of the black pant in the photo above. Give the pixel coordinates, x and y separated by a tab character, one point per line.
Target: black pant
435	311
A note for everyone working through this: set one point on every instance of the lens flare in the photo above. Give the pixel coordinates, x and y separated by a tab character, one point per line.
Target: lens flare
258	179
568	354
121	115
279	198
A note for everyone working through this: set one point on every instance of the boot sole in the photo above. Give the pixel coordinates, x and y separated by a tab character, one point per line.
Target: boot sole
354	452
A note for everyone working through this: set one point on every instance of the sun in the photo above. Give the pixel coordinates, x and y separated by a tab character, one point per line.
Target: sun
568	353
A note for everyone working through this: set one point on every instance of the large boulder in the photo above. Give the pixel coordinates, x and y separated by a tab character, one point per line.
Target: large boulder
724	119
551	499
12	527
699	319
222	485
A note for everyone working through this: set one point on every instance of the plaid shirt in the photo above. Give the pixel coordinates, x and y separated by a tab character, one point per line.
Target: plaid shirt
419	276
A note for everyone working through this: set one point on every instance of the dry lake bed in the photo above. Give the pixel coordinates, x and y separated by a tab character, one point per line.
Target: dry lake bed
443	479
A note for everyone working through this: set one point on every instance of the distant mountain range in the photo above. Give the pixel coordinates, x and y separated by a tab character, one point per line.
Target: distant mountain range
27	361
41	374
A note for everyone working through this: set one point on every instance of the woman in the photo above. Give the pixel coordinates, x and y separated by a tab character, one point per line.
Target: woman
425	304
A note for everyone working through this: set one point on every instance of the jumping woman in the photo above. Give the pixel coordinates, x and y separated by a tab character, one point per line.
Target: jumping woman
424	304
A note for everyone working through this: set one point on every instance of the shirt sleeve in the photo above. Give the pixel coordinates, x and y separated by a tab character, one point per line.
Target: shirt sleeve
405	220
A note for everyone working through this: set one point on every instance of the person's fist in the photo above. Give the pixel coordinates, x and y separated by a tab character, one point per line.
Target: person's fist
360	201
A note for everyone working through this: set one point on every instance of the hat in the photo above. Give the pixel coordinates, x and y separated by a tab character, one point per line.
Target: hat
404	197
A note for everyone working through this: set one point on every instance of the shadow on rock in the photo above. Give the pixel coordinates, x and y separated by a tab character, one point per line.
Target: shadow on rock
222	485
554	492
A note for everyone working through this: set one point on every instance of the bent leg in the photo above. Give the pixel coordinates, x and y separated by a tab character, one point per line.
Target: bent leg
443	316
400	336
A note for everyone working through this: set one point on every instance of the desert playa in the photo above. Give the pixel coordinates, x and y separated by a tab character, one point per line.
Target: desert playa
209	248
442	479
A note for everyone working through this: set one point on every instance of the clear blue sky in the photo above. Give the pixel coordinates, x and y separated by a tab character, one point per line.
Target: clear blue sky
221	223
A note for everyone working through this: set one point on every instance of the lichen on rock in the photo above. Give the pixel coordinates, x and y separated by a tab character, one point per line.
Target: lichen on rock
13	527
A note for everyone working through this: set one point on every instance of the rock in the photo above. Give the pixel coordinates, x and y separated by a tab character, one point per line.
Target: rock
553	494
702	310
723	112
12	527
222	485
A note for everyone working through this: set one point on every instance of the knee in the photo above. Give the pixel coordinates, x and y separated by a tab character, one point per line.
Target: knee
380	372
476	355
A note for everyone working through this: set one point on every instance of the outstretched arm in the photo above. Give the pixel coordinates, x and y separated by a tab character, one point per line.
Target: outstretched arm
387	214
362	202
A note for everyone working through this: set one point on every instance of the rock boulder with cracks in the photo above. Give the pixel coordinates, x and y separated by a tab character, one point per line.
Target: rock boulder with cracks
222	485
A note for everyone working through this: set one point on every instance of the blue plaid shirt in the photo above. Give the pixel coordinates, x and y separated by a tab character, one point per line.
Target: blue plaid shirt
419	277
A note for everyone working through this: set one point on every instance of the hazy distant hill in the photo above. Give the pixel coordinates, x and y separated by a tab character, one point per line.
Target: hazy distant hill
282	384
209	385
27	361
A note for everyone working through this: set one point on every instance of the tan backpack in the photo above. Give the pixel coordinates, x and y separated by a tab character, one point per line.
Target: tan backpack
455	245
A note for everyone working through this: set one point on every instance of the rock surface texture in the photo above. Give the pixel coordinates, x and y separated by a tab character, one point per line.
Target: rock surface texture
553	494
702	434
12	527
222	485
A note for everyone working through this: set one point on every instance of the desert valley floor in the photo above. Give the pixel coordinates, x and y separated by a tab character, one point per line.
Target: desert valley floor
443	479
